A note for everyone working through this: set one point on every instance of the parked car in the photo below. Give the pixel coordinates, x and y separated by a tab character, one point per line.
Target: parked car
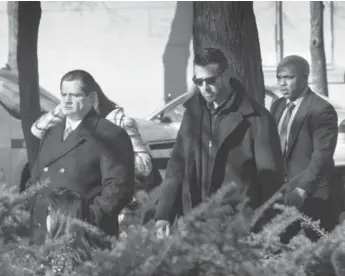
13	156
171	115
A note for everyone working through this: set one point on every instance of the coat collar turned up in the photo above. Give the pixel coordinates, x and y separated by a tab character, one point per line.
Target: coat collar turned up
241	108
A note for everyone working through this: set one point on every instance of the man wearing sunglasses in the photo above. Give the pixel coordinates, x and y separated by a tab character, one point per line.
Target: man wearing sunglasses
224	137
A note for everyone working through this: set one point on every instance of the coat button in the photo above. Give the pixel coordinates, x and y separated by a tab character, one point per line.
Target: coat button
62	170
45	169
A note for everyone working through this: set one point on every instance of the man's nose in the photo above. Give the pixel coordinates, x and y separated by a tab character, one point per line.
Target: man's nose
282	81
204	85
66	99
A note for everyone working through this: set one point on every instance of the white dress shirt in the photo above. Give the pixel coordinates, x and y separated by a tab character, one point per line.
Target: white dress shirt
73	124
297	104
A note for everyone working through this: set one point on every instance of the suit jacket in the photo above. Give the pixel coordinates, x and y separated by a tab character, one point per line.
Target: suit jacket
96	160
311	144
249	154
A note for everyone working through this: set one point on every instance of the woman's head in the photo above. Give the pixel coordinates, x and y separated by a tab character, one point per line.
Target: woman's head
65	209
89	86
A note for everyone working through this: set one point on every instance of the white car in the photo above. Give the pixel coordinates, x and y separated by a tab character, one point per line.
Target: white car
171	115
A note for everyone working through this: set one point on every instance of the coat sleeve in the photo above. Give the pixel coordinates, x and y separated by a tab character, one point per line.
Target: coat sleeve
142	158
274	106
324	131
117	170
46	121
171	187
268	157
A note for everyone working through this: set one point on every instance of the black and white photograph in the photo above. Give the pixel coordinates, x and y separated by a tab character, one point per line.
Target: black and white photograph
172	138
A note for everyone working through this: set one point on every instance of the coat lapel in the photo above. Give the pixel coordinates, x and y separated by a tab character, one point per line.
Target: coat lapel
60	148
278	109
235	113
230	122
233	117
298	121
195	125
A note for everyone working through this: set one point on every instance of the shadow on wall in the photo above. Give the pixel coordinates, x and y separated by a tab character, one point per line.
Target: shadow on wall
177	51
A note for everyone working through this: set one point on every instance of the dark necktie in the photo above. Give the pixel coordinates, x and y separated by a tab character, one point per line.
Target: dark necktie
284	127
211	108
67	132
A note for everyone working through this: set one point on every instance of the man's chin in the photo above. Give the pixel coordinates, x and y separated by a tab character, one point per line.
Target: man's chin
286	96
67	112
209	99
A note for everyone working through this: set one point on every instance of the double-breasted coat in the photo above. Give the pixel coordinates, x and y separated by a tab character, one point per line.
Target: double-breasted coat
96	160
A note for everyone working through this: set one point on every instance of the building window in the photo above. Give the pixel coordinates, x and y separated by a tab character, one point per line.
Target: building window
295	28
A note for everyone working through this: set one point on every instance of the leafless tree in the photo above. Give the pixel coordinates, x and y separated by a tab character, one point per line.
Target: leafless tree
12	15
317	49
29	16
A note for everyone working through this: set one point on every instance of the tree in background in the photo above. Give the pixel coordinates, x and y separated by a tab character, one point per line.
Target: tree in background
231	26
29	16
317	49
12	15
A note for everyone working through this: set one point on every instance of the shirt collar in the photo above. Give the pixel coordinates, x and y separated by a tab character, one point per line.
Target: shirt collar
299	100
227	103
73	124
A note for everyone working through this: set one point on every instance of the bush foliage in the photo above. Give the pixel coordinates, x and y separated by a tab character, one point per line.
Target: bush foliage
214	239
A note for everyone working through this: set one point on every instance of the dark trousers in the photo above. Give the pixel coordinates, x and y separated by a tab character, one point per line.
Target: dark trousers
316	209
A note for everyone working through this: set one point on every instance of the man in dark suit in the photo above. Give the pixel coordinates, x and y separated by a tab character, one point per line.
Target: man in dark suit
224	136
87	154
308	130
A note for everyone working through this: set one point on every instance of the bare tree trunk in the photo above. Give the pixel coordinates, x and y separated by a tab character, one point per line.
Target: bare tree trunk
29	16
279	31
231	26
317	49
12	15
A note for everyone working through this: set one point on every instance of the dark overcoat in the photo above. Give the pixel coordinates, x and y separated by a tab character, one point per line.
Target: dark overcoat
248	153
96	160
309	160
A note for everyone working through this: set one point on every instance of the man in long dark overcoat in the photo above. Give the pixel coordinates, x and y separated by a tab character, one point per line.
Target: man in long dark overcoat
87	154
225	136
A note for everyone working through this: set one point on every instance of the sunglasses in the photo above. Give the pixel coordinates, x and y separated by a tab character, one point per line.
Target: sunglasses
209	80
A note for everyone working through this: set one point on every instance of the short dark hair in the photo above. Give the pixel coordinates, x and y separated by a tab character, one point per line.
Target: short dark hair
211	56
297	63
87	80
